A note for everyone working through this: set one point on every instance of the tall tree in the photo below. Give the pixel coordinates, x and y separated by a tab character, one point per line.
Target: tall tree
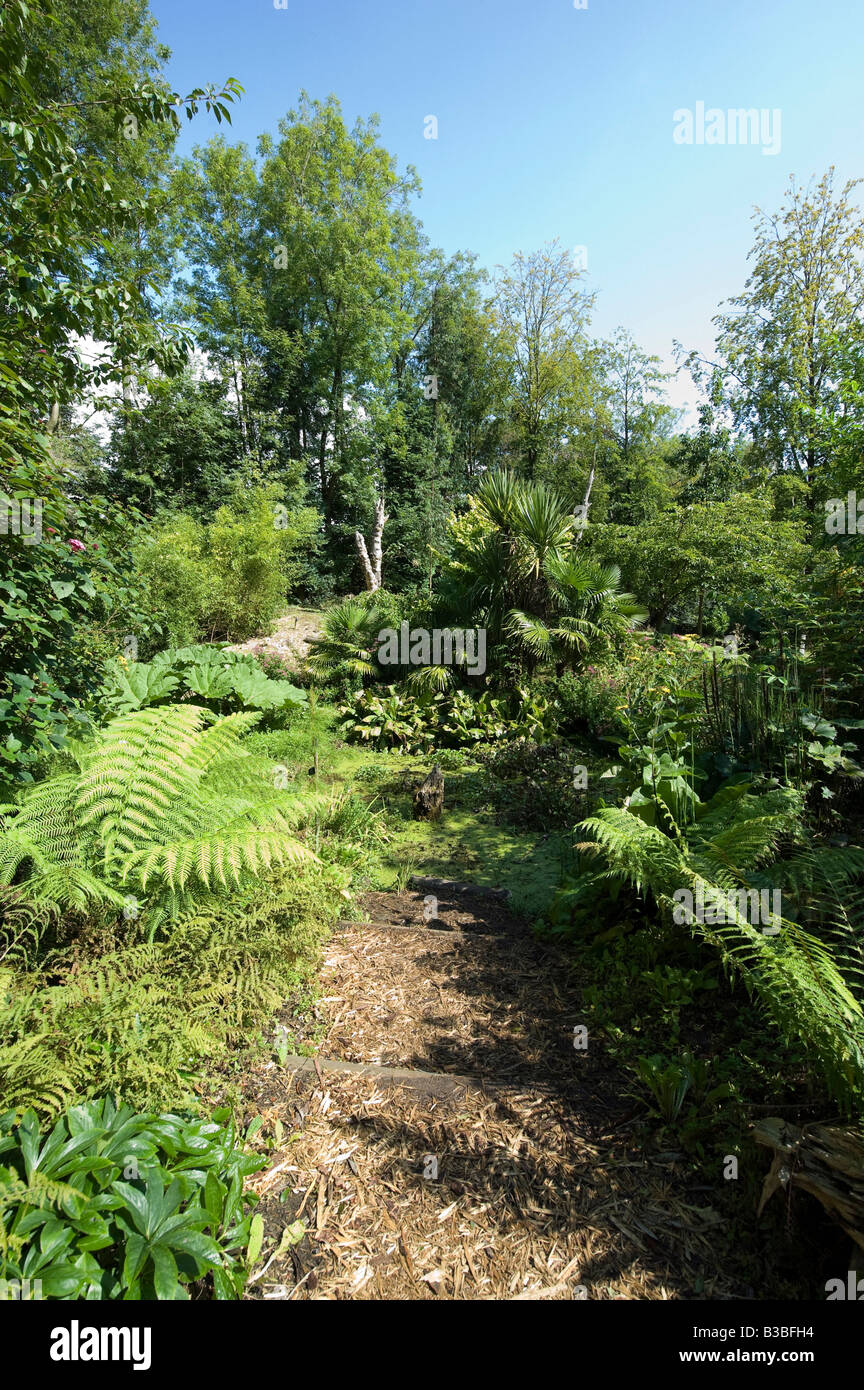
544	311
779	344
336	249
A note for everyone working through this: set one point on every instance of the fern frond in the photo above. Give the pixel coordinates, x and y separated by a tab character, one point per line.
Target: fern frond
167	801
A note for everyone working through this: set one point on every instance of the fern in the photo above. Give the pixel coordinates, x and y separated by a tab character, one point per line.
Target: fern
165	806
142	1019
795	975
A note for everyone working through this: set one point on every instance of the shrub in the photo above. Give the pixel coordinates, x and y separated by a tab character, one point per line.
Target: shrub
116	1205
65	604
227	578
533	784
591	699
171	560
345	652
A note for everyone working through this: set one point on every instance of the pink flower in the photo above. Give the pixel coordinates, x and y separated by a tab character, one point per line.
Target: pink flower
77	546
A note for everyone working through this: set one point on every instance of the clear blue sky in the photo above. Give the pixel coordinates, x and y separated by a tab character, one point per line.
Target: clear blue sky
558	122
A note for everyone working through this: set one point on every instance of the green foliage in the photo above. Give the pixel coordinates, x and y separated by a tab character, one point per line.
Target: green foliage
179	450
710	564
514	567
89	1006
64	220
533	784
345	652
225	680
415	723
227	578
781	344
110	1204
163	812
794	974
62	211
66	600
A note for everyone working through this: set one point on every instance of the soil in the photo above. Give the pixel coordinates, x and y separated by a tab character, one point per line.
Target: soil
523	1179
455	912
289	640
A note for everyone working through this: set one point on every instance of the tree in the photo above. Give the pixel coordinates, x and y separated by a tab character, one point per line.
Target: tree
436	425
544	312
61	215
513	567
709	563
336	249
779	346
634	378
371	559
636	477
223	297
187	447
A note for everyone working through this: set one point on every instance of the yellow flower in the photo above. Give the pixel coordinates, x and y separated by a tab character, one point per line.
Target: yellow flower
620	707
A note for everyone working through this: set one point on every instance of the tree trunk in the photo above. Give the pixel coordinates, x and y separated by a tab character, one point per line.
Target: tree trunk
371	559
584	507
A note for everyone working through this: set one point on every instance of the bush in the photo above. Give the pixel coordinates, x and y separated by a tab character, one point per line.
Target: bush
227	578
114	1205
534	785
171	559
345	652
590	700
65	604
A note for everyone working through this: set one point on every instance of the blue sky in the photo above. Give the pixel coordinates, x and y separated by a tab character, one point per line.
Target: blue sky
558	122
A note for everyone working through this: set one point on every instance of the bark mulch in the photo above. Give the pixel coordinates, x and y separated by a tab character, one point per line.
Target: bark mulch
520	1180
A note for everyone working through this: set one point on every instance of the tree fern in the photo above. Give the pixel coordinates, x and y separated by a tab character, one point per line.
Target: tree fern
166	806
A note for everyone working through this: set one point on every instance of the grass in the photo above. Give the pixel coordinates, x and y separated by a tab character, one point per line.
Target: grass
467	843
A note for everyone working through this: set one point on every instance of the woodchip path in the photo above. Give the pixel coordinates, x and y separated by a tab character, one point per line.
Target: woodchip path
448	1140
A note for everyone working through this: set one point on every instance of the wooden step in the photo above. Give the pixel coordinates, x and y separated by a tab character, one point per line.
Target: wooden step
448	887
442	1085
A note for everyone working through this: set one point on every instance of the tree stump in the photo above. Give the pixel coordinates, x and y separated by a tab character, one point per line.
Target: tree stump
429	796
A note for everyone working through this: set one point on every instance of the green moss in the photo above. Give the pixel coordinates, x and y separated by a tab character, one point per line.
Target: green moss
466	843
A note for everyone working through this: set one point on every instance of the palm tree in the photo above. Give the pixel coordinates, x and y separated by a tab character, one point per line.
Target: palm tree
523	578
587	607
345	651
